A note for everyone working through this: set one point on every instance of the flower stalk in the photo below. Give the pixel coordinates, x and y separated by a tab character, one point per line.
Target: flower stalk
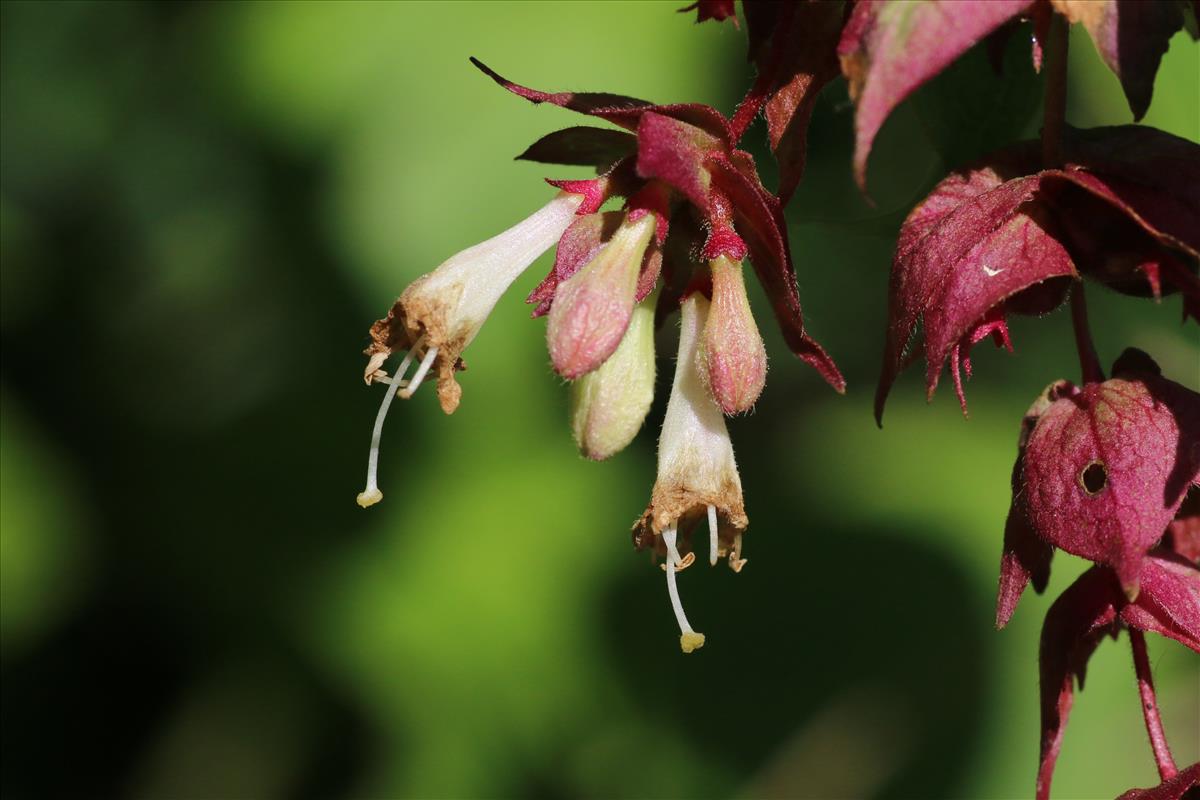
1154	726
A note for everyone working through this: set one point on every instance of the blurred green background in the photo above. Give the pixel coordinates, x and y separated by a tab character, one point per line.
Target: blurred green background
203	207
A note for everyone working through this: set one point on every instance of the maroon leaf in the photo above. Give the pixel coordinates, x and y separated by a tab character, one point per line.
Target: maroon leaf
581	145
964	255
1131	37
800	61
1092	607
1106	468
1151	175
890	47
993	240
615	108
1076	622
1129	207
760	223
719	10
1173	789
762	16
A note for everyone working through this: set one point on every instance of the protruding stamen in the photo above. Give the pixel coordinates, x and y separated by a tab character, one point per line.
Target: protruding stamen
712	535
371	495
419	375
689	639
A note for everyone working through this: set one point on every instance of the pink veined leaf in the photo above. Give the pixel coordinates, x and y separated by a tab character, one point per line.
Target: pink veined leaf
890	47
1106	468
1131	37
615	108
583	146
759	219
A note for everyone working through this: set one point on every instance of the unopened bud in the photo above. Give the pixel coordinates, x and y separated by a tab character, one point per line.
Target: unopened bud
609	404
734	355
592	308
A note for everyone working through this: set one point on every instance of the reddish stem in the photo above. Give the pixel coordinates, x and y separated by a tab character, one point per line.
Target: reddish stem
1089	362
1158	737
748	109
1055	108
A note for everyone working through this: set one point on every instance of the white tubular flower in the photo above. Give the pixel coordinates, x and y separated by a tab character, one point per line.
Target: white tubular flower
609	404
697	476
440	313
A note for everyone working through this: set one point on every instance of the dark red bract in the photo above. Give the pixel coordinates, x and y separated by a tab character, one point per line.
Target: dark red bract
688	148
1005	237
1101	472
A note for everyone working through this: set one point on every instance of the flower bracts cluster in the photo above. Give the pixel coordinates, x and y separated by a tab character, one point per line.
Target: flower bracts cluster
691	213
1108	470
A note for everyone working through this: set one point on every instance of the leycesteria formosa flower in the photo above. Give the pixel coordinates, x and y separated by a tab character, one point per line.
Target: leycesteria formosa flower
440	313
687	193
697	479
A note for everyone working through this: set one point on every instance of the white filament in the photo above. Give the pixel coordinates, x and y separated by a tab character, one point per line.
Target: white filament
419	375
673	561
371	494
712	535
408	359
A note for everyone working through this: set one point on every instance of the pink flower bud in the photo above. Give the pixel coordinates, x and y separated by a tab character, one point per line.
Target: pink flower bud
609	404
733	353
592	308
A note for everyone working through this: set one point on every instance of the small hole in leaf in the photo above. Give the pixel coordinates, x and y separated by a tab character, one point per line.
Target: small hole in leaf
1093	478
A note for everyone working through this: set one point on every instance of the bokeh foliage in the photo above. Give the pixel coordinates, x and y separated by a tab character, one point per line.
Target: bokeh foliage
203	206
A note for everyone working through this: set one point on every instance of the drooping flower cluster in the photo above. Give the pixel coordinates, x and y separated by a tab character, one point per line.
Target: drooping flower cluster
692	212
1106	470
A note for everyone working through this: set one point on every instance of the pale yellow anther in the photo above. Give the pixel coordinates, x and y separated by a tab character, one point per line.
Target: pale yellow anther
691	641
369	498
